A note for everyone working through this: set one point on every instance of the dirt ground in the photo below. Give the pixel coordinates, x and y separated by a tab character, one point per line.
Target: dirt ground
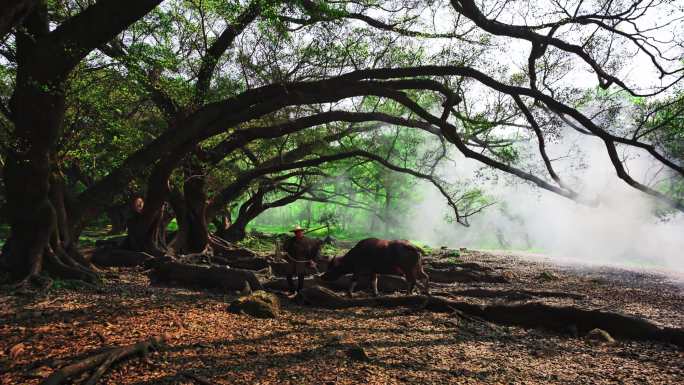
42	332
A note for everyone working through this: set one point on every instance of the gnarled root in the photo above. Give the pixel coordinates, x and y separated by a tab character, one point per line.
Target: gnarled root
206	277
60	264
531	315
102	361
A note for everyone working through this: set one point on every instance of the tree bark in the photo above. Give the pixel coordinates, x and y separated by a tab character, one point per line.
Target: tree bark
12	12
195	212
147	229
214	277
38	105
247	212
44	61
236	231
190	211
530	315
103	361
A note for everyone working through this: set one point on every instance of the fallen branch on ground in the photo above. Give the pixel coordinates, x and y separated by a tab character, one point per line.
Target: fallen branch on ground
205	277
564	319
513	295
456	275
102	361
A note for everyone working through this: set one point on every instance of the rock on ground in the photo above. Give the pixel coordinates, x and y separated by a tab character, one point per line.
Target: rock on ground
259	304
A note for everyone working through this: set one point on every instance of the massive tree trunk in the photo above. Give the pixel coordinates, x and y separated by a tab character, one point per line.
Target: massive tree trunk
222	222
118	217
247	212
252	208
237	231
145	233
44	61
12	12
191	214
177	201
41	237
38	228
146	228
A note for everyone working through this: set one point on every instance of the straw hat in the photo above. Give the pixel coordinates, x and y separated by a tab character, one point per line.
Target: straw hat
297	228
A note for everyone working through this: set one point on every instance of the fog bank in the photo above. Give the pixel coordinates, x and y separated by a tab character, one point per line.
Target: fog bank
621	230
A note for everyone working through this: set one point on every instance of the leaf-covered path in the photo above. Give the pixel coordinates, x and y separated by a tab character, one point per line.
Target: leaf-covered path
41	333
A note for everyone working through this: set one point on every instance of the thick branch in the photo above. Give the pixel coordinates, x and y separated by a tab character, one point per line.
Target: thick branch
12	12
66	46
219	47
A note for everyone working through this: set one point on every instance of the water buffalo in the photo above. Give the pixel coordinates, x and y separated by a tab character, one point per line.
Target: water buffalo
300	250
377	256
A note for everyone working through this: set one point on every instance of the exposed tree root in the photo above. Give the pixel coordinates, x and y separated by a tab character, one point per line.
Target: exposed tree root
223	248
513	295
463	276
102	361
217	260
63	266
106	257
220	243
33	280
249	263
386	283
439	264
205	277
532	315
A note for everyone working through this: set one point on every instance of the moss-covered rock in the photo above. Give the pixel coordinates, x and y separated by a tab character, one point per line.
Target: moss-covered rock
547	276
259	304
599	336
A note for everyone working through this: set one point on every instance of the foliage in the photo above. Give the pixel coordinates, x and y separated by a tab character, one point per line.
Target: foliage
145	86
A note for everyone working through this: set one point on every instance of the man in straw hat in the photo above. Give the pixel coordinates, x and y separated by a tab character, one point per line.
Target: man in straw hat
302	253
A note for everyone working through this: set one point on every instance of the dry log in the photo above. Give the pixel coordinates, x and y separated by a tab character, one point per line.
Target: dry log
530	315
205	277
512	295
249	263
457	275
102	361
440	264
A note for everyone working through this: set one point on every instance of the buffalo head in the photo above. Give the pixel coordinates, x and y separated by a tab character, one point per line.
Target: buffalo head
336	269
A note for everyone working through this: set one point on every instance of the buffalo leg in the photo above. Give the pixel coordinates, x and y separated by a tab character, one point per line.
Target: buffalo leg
374	282
425	281
410	282
409	288
352	285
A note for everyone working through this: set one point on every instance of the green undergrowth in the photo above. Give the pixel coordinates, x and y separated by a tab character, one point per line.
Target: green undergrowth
258	243
91	235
